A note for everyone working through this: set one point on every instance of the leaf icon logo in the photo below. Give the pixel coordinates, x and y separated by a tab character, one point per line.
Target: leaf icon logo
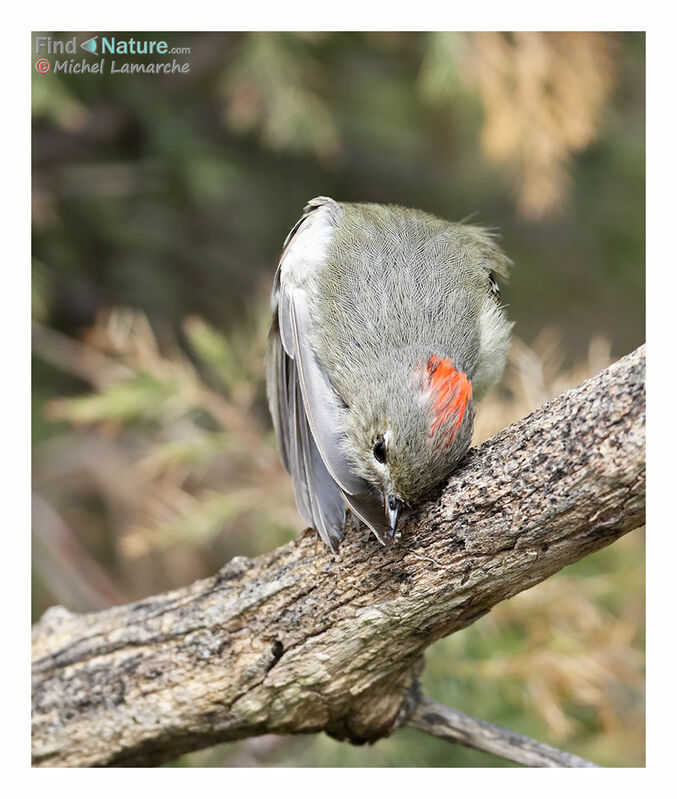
90	45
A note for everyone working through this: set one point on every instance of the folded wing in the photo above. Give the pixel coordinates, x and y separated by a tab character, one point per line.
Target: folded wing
307	411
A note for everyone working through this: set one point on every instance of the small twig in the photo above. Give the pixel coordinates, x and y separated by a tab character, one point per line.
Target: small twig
452	725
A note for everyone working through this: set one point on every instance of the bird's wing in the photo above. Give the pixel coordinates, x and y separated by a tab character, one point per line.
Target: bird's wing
307	411
492	259
318	498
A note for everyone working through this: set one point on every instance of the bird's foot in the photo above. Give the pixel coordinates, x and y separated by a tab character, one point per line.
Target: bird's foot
304	534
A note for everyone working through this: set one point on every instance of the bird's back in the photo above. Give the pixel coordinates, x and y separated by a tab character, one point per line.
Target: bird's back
396	280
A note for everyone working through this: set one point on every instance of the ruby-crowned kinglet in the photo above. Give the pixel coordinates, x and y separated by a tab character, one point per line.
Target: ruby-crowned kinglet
387	327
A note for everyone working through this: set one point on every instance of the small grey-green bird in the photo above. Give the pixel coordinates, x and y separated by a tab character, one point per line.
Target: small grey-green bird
387	327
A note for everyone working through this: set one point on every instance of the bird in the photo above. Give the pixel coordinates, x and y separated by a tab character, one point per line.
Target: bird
387	328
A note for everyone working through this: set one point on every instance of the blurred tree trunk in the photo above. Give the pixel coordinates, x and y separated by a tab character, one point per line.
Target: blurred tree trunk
294	641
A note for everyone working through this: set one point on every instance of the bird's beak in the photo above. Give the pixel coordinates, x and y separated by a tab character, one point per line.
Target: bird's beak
393	508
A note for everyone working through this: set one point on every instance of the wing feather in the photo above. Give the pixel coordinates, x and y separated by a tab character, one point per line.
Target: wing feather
277	381
324	409
307	412
318	498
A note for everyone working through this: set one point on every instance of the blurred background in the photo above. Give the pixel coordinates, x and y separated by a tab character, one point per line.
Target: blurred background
160	203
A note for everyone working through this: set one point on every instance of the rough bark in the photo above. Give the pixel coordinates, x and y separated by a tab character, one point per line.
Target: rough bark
294	641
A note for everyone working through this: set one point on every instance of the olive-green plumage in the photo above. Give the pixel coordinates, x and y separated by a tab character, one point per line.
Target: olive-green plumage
383	289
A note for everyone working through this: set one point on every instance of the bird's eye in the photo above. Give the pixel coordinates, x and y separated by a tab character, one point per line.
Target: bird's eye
380	450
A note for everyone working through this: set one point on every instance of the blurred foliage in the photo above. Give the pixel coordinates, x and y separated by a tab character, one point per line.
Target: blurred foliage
270	89
542	97
172	194
159	207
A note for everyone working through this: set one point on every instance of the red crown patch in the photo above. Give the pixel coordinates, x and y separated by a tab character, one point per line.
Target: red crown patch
451	392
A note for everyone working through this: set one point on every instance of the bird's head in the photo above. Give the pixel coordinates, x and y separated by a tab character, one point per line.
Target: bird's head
406	436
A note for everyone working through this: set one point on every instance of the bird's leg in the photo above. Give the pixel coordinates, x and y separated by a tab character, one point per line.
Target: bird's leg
304	534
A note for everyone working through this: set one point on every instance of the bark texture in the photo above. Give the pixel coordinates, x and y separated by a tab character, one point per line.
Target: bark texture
294	641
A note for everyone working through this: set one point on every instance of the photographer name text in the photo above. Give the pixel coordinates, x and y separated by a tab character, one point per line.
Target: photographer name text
73	66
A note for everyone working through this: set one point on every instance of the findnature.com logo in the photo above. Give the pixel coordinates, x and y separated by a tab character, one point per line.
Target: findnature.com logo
109	45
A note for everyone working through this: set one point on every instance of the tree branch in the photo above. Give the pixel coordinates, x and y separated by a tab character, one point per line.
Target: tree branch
295	642
459	728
